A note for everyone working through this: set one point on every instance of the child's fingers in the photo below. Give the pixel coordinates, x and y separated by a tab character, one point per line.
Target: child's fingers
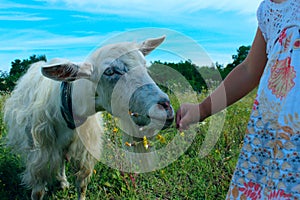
178	117
183	123
181	119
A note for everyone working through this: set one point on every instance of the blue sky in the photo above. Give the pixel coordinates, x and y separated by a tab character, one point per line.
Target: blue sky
73	28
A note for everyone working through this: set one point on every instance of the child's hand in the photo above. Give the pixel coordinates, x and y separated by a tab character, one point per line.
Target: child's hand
186	115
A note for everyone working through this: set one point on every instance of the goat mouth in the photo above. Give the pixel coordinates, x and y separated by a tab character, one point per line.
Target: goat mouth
167	122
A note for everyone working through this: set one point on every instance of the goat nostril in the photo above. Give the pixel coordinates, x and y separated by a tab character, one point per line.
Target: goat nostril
165	104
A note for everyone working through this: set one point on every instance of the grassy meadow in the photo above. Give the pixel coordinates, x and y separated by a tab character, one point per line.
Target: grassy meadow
189	177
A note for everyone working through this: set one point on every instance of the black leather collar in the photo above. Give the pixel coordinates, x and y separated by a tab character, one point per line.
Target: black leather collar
66	106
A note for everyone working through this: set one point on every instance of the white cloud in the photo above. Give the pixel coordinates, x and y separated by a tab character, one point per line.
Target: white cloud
20	16
245	7
5	4
23	43
191	13
164	7
196	14
38	39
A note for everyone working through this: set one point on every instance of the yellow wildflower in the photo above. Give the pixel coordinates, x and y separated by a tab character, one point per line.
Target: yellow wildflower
145	142
115	130
161	138
128	144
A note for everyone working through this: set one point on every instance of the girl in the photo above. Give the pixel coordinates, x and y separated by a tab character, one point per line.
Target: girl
269	162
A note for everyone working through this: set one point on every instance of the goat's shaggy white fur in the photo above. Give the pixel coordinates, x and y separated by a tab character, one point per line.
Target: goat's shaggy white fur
37	129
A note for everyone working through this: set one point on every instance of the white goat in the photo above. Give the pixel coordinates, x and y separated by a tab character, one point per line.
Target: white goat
54	103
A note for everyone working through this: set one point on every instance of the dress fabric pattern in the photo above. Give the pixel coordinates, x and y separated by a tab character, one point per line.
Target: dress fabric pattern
269	163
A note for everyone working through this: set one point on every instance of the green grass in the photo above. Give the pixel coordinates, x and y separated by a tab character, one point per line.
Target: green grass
189	177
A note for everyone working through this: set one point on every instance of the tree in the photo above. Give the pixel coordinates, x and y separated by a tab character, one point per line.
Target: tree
189	70
18	69
241	56
242	53
3	80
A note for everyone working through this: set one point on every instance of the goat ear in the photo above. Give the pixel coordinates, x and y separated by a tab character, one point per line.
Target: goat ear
150	44
67	71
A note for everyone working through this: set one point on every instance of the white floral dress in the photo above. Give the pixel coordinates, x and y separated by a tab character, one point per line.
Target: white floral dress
269	162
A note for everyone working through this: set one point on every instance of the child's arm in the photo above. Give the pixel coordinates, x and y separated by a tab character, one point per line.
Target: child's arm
239	82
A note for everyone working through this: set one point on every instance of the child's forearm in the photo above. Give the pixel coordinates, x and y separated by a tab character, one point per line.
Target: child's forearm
236	85
239	82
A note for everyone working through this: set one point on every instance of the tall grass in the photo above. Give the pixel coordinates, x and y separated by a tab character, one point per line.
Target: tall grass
189	177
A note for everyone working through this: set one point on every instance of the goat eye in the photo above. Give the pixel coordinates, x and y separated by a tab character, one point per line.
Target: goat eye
109	71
